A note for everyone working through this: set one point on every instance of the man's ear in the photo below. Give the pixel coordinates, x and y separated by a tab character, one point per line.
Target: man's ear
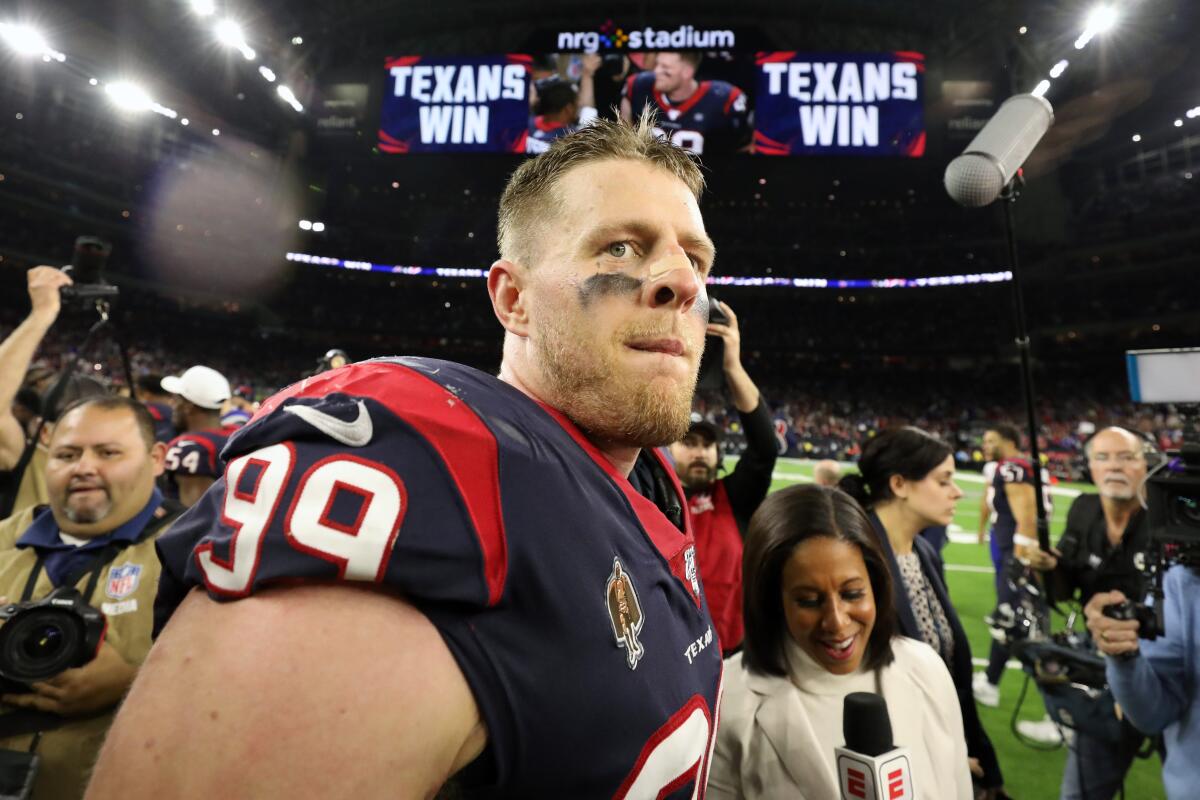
47	432
158	455
506	282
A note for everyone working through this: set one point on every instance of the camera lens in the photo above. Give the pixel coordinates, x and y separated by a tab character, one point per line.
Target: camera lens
1187	508
43	644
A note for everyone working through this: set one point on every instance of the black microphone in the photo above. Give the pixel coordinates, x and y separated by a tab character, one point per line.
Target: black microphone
870	766
979	175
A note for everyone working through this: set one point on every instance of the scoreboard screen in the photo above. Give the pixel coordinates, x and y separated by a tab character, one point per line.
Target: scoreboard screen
780	103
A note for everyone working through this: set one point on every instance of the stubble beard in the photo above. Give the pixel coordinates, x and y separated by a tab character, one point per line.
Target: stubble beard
584	381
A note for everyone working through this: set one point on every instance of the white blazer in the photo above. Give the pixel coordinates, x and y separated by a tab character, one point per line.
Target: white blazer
775	740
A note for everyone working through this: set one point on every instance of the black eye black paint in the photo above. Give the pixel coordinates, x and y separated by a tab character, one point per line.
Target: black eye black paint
606	284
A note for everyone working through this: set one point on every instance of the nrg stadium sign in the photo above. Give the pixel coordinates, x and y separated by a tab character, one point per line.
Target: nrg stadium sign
612	37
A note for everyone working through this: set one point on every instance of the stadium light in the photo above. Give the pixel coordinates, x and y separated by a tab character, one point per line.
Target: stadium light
1102	19
184	122
289	97
297	40
216	131
1041	89
204	8
1137	137
230	34
1059	68
1023	30
318	227
306	225
267	73
128	96
1178	123
24	39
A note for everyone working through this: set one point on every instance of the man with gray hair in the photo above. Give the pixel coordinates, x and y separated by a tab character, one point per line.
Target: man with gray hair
1105	540
826	472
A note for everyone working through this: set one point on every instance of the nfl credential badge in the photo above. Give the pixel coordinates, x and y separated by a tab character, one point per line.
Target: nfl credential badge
123	580
625	613
689	569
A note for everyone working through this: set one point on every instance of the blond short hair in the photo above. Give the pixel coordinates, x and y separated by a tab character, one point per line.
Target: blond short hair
529	198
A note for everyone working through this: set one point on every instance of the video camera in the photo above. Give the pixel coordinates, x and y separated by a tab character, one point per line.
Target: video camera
1172	490
41	638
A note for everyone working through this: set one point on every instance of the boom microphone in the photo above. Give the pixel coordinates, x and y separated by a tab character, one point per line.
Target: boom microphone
977	177
870	767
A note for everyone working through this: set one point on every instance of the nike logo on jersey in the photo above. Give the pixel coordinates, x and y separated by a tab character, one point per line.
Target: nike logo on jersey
352	434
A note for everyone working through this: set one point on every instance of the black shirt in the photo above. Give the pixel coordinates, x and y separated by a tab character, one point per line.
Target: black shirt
1089	563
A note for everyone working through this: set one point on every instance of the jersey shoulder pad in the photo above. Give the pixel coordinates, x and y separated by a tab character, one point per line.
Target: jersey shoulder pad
195	453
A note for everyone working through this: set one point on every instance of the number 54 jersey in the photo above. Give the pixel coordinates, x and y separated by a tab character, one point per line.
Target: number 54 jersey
569	600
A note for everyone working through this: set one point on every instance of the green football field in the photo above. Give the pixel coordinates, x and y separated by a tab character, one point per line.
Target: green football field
1029	774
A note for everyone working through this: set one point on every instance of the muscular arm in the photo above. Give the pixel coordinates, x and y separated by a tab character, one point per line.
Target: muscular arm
1024	507
330	691
750	480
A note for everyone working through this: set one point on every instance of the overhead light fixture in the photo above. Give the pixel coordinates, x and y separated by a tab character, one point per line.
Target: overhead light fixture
1022	30
1102	19
216	131
128	96
26	40
1178	123
289	97
306	225
267	73
297	40
1059	68
204	8
230	34
1137	137
318	227
1041	89
184	122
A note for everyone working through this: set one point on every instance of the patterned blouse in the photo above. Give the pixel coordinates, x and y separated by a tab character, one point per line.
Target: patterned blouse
931	617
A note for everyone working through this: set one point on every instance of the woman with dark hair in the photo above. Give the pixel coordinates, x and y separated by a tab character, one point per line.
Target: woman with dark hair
819	625
906	483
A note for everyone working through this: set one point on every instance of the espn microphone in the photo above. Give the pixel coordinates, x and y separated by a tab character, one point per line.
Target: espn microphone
976	178
870	767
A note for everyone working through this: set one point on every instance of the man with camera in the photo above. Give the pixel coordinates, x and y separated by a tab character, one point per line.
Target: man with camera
1155	682
720	508
16	354
62	668
1105	540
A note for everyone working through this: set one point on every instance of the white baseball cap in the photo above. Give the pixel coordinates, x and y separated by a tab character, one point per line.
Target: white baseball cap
203	386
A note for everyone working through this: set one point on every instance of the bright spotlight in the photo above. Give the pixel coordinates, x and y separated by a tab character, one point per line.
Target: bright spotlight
1041	89
128	96
1023	30
216	131
1102	19
229	33
318	227
25	40
289	97
185	122
1137	137
1059	68
306	225
93	82
204	8
297	40
1178	123
267	73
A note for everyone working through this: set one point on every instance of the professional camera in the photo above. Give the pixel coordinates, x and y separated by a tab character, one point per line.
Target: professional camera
87	271
1173	488
41	638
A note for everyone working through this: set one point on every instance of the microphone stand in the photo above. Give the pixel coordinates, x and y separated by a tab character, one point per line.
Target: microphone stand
1009	196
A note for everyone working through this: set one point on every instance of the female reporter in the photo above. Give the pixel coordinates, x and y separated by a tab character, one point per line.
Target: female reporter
819	625
906	483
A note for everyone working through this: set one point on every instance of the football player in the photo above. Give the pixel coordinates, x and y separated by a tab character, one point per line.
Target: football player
437	572
700	116
560	109
193	457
